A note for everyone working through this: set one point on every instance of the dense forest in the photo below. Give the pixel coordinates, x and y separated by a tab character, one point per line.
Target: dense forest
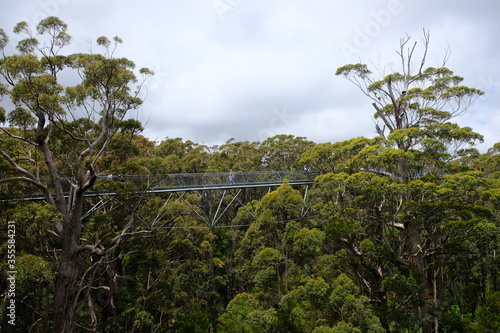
397	233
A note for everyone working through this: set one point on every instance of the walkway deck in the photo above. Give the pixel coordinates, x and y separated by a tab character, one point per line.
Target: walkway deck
185	182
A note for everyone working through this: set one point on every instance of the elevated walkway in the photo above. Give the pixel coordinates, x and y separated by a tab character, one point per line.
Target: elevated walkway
176	186
185	182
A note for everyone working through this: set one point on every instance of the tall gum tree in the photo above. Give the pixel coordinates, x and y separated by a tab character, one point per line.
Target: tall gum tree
84	117
415	107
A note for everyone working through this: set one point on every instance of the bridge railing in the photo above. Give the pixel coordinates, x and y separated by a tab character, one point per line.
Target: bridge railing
174	181
180	180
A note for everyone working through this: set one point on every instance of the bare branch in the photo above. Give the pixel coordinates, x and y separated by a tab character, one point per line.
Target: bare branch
410	58
17	137
91	248
426	40
23	179
122	235
83	327
401	53
92	312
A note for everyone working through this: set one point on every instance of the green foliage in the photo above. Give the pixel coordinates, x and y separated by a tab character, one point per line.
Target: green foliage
245	314
21	118
416	108
344	269
488	316
2	115
340	327
281	152
360	70
34	271
268	264
398	231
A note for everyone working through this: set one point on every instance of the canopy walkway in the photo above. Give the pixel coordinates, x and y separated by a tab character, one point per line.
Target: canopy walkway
176	186
185	182
213	181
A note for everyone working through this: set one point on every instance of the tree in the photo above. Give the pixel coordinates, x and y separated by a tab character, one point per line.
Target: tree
413	276
281	152
348	156
70	127
338	304
246	314
488	316
491	159
239	156
417	104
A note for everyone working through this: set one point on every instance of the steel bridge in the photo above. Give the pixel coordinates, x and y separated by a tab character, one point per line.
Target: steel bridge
185	182
176	186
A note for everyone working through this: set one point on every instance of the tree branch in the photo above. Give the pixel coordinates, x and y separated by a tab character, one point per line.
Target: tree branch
17	137
381	115
65	130
426	39
32	309
91	248
23	179
28	177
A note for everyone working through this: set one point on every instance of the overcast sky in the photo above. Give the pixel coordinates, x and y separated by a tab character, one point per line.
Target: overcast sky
250	69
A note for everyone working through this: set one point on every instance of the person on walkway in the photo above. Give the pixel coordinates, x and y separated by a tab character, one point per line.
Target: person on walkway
231	177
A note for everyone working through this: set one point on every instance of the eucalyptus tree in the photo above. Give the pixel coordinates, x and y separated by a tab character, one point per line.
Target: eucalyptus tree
490	161
69	127
414	108
415	105
236	155
281	152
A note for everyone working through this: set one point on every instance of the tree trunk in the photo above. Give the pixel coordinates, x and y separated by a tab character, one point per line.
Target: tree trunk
212	293
418	265
231	292
113	306
71	211
66	281
405	172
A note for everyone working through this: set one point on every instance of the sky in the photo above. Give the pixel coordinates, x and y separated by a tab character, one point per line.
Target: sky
251	69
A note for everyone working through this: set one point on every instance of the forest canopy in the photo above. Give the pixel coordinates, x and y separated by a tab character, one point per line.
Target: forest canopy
396	233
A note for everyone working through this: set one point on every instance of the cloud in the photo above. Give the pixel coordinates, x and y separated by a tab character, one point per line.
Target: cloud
227	68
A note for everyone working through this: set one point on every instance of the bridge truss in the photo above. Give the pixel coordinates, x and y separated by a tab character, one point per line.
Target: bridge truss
176	187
